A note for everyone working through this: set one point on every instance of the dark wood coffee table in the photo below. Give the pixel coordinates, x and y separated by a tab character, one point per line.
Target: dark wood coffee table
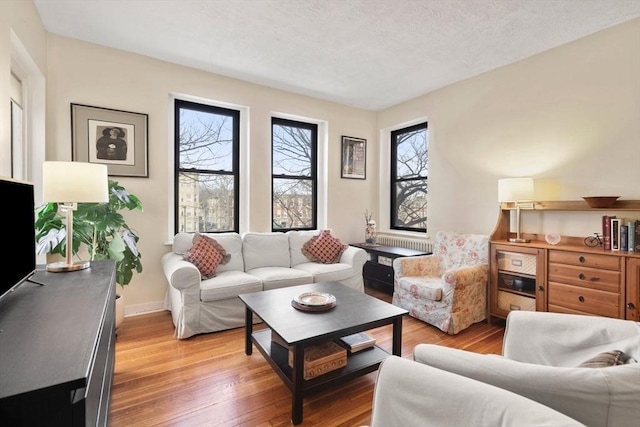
354	312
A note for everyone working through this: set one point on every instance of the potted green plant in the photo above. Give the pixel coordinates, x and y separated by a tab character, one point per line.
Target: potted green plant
100	227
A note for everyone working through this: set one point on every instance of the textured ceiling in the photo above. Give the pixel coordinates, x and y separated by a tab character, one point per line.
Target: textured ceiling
370	54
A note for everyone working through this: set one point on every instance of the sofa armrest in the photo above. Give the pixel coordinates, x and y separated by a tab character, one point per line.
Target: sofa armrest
411	394
356	257
180	274
425	265
568	339
598	397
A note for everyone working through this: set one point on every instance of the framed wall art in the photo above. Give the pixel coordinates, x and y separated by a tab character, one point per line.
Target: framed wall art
354	158
116	138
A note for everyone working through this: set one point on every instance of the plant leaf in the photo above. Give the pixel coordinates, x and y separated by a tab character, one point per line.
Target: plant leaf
51	240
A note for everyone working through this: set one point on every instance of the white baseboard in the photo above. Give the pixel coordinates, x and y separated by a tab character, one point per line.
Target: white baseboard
138	309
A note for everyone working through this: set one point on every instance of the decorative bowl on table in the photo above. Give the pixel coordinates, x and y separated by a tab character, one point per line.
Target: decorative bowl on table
314	301
601	201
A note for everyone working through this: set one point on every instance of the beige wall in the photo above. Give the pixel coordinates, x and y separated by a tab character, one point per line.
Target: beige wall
23	45
568	117
88	74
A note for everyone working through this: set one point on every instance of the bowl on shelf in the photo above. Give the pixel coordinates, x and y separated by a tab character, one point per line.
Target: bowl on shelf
601	201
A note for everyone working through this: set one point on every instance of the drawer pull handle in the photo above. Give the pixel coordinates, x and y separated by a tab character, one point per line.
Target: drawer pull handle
581	276
630	306
581	298
581	259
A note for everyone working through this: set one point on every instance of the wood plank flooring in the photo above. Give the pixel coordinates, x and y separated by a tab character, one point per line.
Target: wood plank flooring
207	380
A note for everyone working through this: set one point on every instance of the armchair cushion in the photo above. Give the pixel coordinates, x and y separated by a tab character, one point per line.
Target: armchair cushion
457	250
422	287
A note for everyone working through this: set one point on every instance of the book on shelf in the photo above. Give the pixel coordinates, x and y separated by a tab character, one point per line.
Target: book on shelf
631	235
606	232
624	237
615	234
318	359
357	342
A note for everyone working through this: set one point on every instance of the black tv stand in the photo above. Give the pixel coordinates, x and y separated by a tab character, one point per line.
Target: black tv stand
57	349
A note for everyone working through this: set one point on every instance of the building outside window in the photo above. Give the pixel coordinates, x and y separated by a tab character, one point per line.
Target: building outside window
294	175
207	168
409	174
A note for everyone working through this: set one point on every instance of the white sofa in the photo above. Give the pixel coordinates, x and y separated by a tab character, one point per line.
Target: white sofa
259	261
538	380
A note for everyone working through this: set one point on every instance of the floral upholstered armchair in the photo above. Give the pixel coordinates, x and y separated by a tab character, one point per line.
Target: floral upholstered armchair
448	288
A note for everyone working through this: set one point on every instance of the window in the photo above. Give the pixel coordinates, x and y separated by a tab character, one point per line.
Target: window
294	174
207	168
409	173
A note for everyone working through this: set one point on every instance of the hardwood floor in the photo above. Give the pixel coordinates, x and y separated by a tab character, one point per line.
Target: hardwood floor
207	380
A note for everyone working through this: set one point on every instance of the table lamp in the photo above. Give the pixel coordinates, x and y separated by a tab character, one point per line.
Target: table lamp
519	191
70	183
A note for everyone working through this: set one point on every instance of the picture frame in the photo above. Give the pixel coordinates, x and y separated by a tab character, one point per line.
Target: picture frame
116	138
354	158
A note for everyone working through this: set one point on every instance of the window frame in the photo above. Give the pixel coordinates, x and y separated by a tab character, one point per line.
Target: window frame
393	202
313	128
235	172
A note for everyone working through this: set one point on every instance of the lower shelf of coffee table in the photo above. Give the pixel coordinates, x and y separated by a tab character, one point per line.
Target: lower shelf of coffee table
358	364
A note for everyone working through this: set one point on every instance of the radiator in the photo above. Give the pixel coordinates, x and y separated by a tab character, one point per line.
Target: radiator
425	244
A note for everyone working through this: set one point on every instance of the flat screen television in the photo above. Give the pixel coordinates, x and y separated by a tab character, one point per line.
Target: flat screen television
17	217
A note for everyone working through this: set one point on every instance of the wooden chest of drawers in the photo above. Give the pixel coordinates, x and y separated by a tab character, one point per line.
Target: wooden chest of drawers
585	283
571	276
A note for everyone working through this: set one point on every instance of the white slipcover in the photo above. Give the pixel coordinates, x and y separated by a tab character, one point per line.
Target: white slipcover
259	261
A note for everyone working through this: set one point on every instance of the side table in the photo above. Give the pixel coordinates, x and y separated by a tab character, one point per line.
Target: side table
378	270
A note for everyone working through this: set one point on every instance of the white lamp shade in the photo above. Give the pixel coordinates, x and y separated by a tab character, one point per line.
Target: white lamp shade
515	189
74	182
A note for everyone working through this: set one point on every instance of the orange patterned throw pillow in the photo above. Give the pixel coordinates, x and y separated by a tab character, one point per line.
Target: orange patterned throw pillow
324	248
206	254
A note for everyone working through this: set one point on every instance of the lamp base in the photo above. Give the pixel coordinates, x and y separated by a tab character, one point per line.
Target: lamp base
514	240
61	267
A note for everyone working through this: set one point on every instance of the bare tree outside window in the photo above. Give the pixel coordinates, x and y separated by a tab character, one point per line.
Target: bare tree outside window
293	174
207	146
409	173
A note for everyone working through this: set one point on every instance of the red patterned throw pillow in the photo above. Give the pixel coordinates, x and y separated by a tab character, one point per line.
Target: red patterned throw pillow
206	254
324	248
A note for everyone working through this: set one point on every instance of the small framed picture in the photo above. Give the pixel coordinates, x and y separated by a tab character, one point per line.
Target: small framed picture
354	158
115	138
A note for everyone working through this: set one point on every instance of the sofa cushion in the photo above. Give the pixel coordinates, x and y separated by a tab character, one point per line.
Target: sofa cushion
182	242
326	272
297	239
324	248
228	284
280	277
206	254
265	250
232	243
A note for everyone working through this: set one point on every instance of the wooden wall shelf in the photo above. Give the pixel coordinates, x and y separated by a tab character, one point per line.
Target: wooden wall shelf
576	205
